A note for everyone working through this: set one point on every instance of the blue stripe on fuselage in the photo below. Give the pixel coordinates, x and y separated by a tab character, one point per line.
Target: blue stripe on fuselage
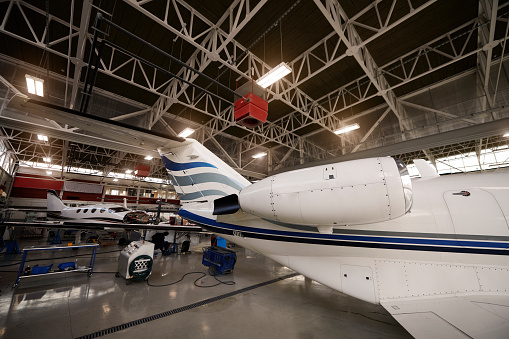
417	244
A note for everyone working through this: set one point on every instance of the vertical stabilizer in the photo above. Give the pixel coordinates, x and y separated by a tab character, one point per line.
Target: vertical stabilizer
54	203
198	174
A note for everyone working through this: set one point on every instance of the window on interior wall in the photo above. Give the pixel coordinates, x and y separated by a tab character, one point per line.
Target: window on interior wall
3	156
148	194
7	161
490	158
116	191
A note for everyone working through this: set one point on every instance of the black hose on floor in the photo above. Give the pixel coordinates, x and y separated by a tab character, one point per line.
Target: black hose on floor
202	275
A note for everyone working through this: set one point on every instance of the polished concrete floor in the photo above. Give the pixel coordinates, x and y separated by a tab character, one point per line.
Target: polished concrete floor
266	301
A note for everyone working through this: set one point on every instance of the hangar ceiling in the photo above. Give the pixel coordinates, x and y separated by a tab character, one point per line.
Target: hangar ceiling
401	69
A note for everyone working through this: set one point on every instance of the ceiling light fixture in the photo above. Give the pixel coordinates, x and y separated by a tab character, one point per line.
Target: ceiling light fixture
506	135
128	171
49	172
274	75
148	157
186	132
115	179
46	159
34	85
347	129
42	137
259	155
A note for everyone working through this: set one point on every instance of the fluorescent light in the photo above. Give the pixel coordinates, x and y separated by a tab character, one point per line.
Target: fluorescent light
46	159
506	135
34	85
49	172
347	129
164	185
42	137
186	132
148	157
128	171
274	75
259	155
30	85
115	179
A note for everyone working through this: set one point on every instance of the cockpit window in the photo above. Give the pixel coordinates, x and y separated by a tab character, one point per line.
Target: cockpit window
85	210
102	210
78	210
93	210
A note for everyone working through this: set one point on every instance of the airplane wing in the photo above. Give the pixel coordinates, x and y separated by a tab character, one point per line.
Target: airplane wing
103	226
453	317
98	130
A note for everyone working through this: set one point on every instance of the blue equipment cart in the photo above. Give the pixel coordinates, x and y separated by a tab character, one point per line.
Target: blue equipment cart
219	260
38	271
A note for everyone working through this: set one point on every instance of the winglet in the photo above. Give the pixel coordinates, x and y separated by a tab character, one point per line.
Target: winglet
427	170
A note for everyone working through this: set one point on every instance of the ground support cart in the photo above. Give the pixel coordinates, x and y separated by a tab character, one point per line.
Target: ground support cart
89	269
219	260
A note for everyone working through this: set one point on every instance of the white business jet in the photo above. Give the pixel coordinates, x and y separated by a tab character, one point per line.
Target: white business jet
100	213
432	251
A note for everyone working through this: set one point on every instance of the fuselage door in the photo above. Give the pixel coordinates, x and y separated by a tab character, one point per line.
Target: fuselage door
476	212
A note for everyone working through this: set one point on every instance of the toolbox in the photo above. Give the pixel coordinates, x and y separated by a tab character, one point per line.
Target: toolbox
41	269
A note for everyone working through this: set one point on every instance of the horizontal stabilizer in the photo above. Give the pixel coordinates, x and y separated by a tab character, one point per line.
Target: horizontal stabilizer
226	205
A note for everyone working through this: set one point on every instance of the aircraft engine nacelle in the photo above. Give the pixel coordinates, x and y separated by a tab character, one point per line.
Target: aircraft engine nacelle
347	193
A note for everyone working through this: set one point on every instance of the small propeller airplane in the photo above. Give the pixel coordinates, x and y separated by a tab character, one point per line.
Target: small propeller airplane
433	251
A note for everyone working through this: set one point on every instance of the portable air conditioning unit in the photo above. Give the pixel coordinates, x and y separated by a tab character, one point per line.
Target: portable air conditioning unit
135	261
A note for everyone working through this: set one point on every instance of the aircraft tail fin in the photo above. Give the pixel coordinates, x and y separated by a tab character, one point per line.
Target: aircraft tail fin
198	174
54	203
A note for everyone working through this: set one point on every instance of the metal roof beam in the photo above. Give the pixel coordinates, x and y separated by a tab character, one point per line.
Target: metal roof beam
486	36
230	52
80	50
402	69
215	42
304	70
336	16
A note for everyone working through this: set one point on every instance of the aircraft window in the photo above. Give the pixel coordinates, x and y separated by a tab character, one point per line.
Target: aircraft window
78	210
93	210
102	210
85	210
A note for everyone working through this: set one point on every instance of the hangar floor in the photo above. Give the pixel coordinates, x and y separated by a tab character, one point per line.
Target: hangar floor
267	301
